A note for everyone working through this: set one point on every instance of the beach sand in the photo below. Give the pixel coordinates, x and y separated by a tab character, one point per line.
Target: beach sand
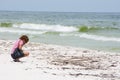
53	62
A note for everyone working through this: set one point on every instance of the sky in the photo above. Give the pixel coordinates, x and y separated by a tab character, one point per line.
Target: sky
61	5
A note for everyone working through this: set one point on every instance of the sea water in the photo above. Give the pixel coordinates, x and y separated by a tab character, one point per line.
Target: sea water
100	31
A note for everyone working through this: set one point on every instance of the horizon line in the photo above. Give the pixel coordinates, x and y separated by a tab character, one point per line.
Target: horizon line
62	11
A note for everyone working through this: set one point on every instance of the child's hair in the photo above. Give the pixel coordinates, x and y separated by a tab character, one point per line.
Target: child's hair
25	38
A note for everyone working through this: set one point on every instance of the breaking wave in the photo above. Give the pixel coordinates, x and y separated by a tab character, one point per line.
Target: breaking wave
6	24
55	28
45	27
92	28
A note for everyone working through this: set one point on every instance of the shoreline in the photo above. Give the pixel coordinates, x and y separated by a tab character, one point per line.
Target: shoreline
48	62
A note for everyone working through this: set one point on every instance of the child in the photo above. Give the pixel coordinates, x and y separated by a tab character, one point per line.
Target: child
17	52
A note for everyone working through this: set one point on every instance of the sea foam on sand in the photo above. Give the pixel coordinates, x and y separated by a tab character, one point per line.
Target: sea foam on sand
53	62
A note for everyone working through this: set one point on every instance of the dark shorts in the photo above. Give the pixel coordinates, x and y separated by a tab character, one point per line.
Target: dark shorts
17	54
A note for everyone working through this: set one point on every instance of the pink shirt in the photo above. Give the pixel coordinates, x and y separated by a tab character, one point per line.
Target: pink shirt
16	44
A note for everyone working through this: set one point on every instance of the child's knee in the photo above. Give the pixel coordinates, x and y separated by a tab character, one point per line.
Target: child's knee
26	53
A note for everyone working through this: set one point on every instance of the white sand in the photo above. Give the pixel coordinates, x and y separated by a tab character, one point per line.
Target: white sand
52	62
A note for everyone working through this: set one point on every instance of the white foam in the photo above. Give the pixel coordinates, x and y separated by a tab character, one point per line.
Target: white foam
21	31
101	38
93	37
44	27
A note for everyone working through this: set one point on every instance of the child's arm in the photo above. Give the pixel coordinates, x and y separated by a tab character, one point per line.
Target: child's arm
20	45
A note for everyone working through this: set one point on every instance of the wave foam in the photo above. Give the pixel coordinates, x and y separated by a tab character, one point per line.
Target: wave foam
44	27
101	38
93	37
21	31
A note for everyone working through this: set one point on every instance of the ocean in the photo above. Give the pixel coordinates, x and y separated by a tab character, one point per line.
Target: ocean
92	30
